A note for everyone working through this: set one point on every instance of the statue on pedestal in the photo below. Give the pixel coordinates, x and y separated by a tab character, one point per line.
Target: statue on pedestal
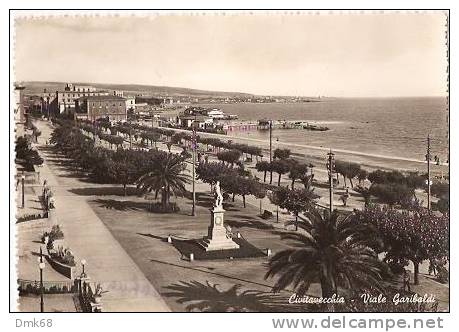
218	236
218	196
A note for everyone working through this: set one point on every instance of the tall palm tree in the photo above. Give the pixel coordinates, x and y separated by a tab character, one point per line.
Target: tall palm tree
166	176
329	250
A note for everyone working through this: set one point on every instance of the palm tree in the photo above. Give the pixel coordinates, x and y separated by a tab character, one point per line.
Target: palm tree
330	250
166	176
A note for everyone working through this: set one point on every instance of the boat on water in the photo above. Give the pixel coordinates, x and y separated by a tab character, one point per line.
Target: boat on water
220	115
315	127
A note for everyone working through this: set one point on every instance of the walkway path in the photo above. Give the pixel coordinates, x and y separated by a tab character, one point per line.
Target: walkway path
88	238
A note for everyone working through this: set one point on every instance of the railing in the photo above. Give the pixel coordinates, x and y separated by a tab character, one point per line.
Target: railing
82	287
49	287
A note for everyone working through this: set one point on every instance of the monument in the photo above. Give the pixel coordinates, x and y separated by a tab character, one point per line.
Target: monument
218	237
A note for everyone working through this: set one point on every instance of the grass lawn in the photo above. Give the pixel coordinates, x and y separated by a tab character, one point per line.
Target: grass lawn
212	285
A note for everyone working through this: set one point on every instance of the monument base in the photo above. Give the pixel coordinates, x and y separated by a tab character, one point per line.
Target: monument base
220	244
217	238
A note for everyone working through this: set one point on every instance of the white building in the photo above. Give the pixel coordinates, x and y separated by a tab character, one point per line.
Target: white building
130	102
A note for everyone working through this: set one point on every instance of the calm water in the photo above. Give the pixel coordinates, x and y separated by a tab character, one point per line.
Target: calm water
395	127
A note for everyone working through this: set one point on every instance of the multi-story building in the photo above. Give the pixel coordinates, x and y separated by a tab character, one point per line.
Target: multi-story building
118	93
130	103
64	101
19	112
108	107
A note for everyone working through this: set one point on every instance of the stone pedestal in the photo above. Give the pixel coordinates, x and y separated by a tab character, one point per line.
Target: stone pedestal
217	238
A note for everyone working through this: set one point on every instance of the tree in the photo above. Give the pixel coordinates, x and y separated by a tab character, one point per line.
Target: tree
298	171
263	166
230	157
347	170
280	166
307	181
22	147
281	154
123	169
211	172
440	189
25	152
295	200
413	235
362	176
167	176
241	185
392	193
331	250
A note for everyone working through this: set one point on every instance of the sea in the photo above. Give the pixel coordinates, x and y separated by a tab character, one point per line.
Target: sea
396	128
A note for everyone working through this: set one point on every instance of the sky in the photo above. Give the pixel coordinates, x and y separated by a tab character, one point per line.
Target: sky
358	55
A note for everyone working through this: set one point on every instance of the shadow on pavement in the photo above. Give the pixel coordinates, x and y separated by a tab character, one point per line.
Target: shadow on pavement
105	191
207	297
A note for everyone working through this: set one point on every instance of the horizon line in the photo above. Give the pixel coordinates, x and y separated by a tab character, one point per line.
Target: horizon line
237	92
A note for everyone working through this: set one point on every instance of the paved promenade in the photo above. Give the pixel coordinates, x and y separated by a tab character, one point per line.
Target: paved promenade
88	238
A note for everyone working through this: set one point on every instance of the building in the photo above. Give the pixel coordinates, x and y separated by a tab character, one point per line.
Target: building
130	103
79	88
118	93
144	108
216	114
108	107
64	101
19	113
199	120
167	117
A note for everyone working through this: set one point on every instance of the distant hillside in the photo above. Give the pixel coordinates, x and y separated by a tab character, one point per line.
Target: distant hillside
34	87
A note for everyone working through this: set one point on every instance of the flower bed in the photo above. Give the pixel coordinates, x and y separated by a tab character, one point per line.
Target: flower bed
29	217
62	261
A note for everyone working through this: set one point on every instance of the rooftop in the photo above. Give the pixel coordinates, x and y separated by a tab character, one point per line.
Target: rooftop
101	98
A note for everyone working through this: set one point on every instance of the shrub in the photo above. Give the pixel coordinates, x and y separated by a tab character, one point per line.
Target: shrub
391	193
55	234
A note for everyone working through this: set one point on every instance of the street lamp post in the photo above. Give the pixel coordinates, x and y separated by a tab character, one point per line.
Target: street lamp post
270	149
23	194
193	150
83	263
428	157
330	167
41	265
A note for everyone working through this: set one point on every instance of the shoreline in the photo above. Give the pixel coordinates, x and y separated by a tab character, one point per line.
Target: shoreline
308	152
